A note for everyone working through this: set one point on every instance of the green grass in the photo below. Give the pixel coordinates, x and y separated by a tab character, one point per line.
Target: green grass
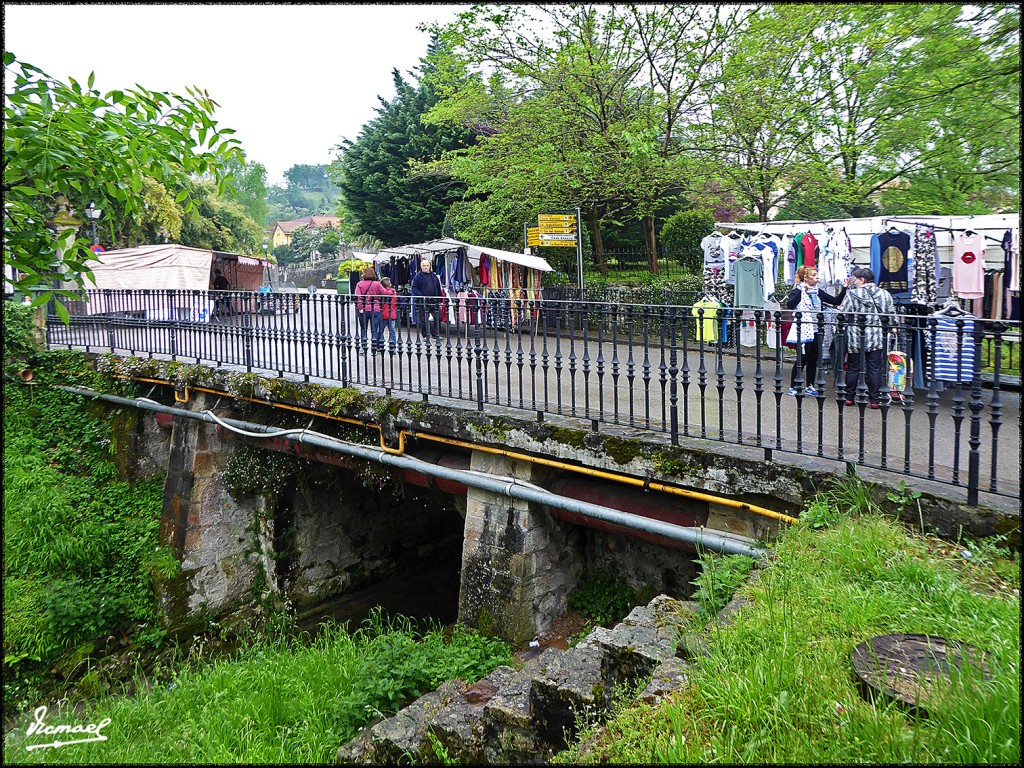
779	686
287	701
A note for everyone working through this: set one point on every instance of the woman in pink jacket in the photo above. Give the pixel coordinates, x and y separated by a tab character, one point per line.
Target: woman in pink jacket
368	293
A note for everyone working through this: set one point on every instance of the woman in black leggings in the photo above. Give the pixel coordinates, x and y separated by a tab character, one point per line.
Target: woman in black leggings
807	299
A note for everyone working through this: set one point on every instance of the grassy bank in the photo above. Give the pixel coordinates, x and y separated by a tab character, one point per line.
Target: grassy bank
778	685
285	701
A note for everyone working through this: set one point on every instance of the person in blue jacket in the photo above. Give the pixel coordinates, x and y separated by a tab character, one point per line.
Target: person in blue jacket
427	287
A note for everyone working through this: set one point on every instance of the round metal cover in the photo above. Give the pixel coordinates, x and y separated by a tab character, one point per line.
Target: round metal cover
913	668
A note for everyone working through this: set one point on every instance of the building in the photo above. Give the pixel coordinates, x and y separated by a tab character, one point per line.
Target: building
282	231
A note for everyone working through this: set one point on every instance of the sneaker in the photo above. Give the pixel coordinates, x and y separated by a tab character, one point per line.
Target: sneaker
792	392
848	402
811	392
874	406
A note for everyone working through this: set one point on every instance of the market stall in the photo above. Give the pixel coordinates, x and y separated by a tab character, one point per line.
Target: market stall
480	285
177	272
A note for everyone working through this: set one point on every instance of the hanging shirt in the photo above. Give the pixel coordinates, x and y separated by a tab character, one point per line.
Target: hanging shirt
789	251
1011	261
809	245
952	348
712	247
969	266
749	283
707	311
890	251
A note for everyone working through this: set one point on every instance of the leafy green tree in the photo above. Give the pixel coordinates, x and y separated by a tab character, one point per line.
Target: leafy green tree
247	186
384	199
69	140
331	243
681	235
307	241
601	105
218	223
284	254
312	178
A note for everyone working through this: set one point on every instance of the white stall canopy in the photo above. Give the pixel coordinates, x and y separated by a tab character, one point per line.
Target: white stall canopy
474	251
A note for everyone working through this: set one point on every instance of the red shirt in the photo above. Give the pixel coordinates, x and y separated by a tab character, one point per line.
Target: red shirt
389	307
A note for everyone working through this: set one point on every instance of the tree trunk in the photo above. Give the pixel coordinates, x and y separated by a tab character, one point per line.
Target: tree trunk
594	219
651	243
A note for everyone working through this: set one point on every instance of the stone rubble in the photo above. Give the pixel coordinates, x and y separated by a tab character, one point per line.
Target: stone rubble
525	716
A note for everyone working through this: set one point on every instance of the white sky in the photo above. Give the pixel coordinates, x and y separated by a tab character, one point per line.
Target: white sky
293	81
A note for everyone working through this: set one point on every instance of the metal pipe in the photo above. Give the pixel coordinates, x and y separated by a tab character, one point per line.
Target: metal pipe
652	485
729	544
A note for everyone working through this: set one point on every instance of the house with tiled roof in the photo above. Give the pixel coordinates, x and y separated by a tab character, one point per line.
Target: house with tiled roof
282	231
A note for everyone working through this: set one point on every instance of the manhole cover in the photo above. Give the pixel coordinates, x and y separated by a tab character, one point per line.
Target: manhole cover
912	669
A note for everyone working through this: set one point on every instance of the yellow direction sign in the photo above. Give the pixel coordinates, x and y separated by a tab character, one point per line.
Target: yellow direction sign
532	236
547	229
558	243
555	218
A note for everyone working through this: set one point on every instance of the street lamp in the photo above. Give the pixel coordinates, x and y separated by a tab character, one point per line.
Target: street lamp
93	213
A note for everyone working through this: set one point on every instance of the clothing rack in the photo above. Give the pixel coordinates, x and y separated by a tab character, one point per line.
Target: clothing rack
944	229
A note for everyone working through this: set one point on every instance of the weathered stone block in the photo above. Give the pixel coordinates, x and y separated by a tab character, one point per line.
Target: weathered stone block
508	733
568	685
670	675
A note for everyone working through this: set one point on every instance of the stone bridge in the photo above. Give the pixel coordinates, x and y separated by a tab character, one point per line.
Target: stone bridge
512	557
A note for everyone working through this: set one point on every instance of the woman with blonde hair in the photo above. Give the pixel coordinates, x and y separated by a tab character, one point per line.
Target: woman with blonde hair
805	332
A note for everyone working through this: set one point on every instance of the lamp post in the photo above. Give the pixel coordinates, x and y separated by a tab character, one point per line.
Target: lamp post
93	213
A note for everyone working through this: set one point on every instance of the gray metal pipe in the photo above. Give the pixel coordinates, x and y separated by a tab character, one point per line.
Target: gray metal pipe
728	544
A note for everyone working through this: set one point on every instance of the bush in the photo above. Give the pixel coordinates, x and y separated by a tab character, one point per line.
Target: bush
682	232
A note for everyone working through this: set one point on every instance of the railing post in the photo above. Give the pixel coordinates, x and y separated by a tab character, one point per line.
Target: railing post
976	404
478	361
247	332
673	374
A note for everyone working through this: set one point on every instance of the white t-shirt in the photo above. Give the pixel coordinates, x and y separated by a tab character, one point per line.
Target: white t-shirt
969	266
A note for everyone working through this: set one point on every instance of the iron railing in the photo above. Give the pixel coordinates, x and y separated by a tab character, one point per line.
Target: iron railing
681	370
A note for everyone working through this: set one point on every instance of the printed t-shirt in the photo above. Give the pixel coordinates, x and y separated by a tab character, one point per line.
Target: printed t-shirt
969	266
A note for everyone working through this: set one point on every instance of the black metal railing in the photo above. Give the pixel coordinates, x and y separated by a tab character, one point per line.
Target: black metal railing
689	372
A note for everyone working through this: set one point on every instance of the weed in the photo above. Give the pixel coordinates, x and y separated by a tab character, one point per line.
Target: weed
604	597
719	578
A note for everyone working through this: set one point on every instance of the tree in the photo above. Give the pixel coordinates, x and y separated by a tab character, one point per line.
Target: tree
69	140
217	222
247	185
600	108
681	236
373	171
312	178
284	254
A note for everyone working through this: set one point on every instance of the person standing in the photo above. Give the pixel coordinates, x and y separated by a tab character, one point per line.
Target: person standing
221	305
805	332
368	292
865	304
427	287
388	312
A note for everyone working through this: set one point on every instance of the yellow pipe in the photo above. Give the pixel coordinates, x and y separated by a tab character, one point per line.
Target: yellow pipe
656	486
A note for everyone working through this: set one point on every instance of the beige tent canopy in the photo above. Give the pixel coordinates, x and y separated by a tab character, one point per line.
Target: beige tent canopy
168	267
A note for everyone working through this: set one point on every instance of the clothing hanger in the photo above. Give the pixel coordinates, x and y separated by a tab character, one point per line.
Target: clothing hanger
951	309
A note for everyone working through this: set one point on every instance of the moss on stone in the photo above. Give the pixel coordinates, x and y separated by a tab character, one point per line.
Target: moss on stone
622	450
571	437
485	623
494	429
